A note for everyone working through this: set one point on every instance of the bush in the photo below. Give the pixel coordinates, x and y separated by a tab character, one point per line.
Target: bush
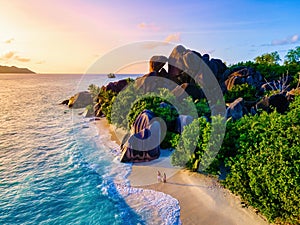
274	71
197	147
132	101
167	113
202	108
265	170
94	90
170	141
262	154
246	91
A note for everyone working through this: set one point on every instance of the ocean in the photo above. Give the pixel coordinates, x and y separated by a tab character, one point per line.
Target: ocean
56	168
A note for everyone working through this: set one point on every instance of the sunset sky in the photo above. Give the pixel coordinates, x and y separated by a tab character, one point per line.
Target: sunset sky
69	36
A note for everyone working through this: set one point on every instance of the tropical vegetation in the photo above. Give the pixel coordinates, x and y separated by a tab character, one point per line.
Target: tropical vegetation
260	153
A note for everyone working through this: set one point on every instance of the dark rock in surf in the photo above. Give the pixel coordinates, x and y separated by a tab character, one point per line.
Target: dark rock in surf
80	100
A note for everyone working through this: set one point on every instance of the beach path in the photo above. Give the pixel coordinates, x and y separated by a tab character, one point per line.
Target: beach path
202	200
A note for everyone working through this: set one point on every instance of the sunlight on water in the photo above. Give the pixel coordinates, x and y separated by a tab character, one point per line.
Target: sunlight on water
46	172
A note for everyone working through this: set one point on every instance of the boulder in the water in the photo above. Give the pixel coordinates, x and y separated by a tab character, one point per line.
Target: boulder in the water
80	100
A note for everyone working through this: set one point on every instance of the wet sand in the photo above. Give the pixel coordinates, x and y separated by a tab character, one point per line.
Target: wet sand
203	201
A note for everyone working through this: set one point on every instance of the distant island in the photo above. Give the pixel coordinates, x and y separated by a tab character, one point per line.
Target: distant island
111	75
13	69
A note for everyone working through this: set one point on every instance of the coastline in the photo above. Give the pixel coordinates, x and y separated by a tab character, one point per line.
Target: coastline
204	201
201	199
152	206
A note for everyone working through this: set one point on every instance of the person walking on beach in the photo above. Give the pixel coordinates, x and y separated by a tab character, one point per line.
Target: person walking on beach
164	180
158	176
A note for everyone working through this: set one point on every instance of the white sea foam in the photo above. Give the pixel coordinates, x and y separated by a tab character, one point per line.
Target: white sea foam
154	207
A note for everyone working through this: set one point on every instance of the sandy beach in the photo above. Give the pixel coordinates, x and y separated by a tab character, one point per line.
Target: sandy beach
202	199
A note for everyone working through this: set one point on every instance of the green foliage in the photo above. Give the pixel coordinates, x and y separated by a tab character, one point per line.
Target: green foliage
94	90
268	58
185	153
132	101
265	166
293	56
121	106
269	68
168	113
268	71
246	91
197	147
170	141
106	98
202	108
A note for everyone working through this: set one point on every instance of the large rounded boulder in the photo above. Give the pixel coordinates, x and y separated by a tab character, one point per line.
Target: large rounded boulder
156	63
80	100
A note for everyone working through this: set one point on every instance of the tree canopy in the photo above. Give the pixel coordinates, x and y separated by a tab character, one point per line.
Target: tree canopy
268	58
293	56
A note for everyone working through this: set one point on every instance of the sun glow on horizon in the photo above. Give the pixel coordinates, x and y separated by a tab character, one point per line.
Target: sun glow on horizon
66	37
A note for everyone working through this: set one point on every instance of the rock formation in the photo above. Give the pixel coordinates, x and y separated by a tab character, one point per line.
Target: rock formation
80	100
236	109
143	143
116	86
175	61
156	63
277	101
182	121
242	75
184	65
190	89
185	70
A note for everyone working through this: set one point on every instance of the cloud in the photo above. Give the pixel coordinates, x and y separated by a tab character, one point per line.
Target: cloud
11	55
288	40
9	41
170	38
173	38
7	56
148	26
295	38
21	59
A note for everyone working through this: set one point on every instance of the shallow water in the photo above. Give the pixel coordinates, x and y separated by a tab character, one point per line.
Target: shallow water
46	170
57	168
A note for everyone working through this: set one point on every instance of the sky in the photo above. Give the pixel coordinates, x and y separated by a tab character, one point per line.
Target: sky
70	36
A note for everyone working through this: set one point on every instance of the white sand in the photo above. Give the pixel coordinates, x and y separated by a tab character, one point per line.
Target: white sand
202	200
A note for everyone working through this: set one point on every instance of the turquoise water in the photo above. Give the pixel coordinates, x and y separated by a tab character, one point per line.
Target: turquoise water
51	169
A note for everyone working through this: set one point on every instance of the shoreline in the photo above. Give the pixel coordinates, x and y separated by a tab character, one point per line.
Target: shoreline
152	206
201	198
204	201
